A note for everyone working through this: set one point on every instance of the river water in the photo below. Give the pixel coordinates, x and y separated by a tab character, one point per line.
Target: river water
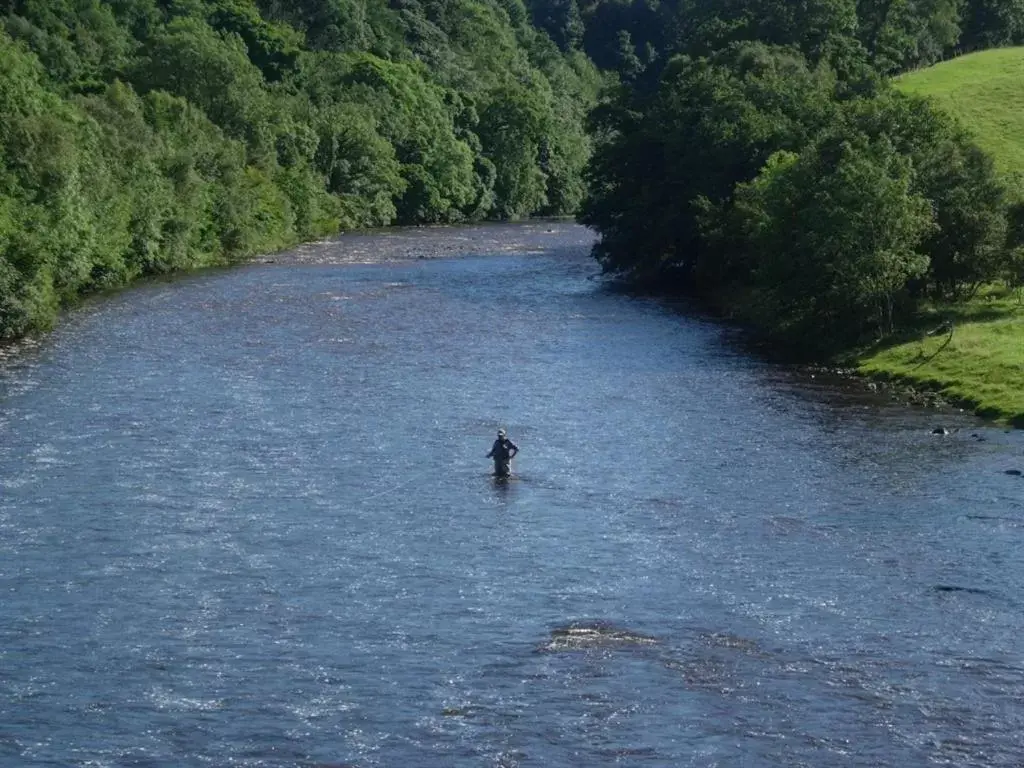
246	519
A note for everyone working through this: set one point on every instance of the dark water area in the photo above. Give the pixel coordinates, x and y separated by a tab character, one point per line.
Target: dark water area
246	519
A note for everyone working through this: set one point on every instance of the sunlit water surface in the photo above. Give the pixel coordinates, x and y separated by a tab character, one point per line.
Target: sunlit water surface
246	520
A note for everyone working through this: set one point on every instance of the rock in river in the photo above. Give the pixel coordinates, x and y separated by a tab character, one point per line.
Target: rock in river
585	636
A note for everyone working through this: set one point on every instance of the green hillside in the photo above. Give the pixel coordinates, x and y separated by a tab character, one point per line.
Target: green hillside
983	363
985	91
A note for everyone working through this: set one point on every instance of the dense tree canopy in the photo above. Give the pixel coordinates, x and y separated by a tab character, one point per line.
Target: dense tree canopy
144	136
737	147
755	155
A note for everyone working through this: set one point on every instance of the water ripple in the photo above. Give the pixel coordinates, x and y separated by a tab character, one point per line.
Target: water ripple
246	520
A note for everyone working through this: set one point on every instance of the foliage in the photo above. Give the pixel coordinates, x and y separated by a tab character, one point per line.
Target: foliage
712	124
147	136
562	20
959	180
900	34
783	179
992	23
891	35
80	44
836	232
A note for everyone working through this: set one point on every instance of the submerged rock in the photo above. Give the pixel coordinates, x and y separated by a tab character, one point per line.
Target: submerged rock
580	637
1014	472
731	641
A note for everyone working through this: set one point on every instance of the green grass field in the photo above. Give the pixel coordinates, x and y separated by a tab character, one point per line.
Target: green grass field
985	91
983	363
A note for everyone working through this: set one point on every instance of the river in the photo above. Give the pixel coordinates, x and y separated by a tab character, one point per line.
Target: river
246	519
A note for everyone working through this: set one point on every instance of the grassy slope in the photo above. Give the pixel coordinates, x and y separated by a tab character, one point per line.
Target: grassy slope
983	363
985	91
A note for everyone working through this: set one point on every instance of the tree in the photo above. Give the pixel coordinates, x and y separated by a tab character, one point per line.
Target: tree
81	44
561	19
958	180
211	70
900	34
992	23
836	230
710	125
512	129
706	26
413	115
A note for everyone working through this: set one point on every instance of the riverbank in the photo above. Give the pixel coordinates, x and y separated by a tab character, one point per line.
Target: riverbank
970	355
977	360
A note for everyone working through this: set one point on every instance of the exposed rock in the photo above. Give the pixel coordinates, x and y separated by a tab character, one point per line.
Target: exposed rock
581	637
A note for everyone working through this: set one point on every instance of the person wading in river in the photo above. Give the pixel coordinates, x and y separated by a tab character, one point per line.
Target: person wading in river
502	452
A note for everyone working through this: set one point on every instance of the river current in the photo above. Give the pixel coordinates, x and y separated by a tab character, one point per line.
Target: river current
246	519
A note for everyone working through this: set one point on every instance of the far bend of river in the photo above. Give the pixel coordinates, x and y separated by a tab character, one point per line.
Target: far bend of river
246	519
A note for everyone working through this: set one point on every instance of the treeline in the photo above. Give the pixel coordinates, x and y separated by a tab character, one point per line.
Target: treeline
143	136
890	35
756	155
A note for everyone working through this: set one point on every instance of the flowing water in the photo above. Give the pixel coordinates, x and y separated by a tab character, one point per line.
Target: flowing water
246	519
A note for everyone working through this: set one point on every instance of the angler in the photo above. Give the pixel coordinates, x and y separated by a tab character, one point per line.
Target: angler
502	452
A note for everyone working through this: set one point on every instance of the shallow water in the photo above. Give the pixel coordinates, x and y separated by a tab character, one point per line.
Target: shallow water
246	520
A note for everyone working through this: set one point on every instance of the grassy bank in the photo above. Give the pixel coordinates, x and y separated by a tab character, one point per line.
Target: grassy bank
981	363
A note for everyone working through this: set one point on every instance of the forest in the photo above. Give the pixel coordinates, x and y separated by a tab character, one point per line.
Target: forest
756	154
753	153
141	137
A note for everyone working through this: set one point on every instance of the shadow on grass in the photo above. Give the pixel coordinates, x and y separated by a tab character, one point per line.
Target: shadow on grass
935	323
981	314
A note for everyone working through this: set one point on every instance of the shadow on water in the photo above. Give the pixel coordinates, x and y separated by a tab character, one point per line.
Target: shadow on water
503	484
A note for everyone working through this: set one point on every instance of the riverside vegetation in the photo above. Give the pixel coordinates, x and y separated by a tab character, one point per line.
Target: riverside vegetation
760	156
139	137
753	153
982	362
